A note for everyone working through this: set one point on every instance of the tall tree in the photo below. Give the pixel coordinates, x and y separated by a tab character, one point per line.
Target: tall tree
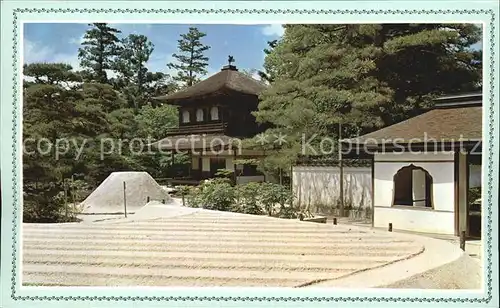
98	52
134	79
55	117
191	60
131	66
158	84
268	73
254	74
363	76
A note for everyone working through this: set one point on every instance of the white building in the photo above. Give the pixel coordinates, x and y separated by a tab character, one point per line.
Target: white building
426	169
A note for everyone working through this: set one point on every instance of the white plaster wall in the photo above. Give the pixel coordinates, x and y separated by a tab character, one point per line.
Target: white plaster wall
427	221
318	185
248	179
441	168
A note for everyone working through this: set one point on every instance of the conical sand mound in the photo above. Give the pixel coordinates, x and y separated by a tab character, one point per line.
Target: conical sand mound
108	197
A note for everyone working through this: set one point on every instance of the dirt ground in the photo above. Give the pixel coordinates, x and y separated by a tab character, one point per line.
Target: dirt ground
203	248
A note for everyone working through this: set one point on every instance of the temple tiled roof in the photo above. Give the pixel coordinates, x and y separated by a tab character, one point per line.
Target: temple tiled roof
458	118
229	78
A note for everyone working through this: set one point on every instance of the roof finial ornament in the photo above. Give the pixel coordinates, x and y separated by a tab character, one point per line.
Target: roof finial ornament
230	60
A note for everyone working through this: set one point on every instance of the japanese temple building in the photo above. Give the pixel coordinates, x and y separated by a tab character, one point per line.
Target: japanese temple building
215	115
426	172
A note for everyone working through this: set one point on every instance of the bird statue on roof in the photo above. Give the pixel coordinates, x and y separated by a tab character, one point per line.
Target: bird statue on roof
230	59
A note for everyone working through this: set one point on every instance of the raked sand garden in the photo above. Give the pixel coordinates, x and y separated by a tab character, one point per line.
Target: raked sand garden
197	247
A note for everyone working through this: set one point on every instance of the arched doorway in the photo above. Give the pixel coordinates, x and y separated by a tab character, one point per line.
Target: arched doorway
412	187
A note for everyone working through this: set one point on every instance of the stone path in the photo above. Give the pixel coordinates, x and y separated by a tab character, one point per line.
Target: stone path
204	248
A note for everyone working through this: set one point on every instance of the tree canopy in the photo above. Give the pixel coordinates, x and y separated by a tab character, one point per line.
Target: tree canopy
191	61
365	76
99	49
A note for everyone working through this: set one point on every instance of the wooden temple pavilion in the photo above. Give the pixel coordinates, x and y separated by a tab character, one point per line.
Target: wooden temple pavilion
215	115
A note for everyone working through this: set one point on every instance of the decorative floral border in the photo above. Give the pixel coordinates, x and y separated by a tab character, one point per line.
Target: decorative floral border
490	170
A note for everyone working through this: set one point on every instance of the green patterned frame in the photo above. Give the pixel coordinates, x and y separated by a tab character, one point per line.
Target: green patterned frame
488	235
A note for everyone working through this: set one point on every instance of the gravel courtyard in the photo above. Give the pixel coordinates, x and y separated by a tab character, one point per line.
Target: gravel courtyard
204	248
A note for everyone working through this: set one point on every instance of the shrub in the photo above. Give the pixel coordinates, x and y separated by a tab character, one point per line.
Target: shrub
46	204
247	196
216	194
225	173
251	198
288	211
194	197
474	194
274	194
183	191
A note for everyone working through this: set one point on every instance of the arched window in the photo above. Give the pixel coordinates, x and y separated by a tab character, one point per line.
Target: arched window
185	116
199	115
412	187
214	113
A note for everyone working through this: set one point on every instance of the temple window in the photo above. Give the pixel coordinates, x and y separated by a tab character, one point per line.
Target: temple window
185	116
199	115
413	187
214	113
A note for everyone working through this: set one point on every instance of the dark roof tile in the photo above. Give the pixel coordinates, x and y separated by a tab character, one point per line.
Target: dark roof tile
444	124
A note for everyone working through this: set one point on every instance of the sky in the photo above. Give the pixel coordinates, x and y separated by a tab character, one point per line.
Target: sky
59	42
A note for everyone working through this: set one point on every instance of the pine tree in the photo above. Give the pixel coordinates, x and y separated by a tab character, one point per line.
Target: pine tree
268	73
53	109
131	67
98	52
192	62
134	79
158	84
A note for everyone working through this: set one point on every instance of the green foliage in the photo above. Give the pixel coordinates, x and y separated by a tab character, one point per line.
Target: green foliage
156	122
268	75
184	191
85	110
56	116
248	199
131	61
137	84
251	198
104	96
274	194
99	50
225	173
78	190
194	196
474	195
43	203
216	194
52	73
191	62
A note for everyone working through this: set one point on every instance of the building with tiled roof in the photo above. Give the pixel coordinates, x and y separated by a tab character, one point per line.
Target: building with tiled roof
215	115
423	168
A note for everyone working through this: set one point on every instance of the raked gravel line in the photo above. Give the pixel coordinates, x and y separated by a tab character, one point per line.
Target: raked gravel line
204	248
